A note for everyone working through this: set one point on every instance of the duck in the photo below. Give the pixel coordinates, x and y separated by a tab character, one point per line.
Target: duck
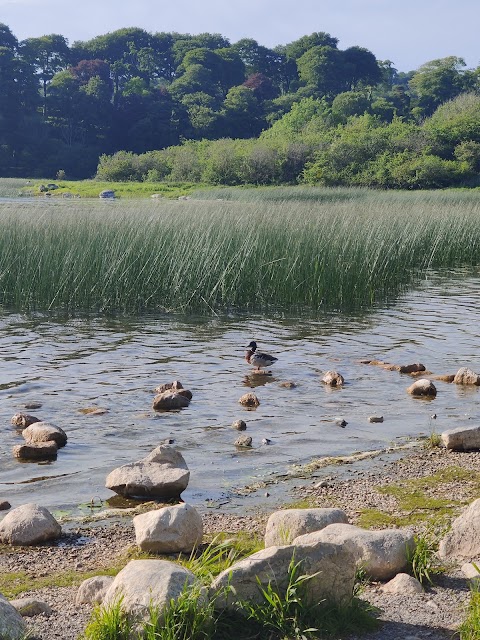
258	359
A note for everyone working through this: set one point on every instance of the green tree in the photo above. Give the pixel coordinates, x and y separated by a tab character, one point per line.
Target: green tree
349	103
437	81
323	68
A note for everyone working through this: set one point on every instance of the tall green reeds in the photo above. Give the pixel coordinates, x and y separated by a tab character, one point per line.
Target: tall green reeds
326	253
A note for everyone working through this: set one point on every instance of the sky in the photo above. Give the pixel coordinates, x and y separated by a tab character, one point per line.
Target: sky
407	32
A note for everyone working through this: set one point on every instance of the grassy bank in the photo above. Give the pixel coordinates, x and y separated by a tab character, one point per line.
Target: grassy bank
309	250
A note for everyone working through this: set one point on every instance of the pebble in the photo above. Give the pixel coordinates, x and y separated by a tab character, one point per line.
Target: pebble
375	418
239	425
243	441
5	505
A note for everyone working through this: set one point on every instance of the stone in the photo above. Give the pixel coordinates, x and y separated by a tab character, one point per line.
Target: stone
93	590
466	376
382	554
249	400
41	451
340	422
169	530
331	566
239	425
462	438
12	625
176	385
162	474
472	572
287	524
27	525
29	607
23	420
288	384
412	368
333	379
422	388
444	378
32	405
243	441
170	401
44	432
145	583
462	542
374	419
403	584
5	505
107	194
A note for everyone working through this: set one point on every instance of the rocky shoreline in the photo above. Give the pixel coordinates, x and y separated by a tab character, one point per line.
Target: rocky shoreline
434	614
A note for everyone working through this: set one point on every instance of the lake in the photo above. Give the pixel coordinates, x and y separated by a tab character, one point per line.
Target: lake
115	363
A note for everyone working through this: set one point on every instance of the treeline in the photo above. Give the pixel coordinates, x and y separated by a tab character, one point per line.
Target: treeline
196	107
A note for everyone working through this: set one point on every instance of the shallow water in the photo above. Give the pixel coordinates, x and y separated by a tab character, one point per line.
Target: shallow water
115	364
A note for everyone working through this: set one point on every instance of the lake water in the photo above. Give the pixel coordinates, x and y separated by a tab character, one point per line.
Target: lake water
81	363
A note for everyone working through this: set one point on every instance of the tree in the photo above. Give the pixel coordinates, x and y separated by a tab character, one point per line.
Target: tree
242	113
349	103
49	55
298	48
437	81
361	67
262	87
324	69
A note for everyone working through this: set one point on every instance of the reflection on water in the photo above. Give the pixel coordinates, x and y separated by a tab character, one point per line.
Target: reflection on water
83	363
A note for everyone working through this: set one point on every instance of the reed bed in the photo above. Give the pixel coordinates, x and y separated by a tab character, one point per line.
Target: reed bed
344	253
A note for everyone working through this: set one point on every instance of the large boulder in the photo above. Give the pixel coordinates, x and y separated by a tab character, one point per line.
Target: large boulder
466	376
382	554
422	388
12	626
286	525
462	542
145	583
462	438
331	566
93	589
27	525
161	474
39	432
29	607
169	530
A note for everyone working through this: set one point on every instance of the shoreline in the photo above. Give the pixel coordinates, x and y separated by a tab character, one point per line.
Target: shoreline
434	614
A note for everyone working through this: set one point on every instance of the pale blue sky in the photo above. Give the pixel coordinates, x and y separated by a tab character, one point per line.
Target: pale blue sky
408	32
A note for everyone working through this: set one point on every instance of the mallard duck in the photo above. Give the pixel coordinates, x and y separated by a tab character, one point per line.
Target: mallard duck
258	359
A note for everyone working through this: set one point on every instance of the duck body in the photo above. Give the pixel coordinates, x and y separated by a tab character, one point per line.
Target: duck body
258	359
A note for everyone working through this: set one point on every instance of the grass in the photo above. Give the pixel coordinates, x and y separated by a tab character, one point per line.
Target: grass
470	628
422	559
293	254
192	616
415	505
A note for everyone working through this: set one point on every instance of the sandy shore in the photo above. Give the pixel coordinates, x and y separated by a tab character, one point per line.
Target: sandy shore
434	614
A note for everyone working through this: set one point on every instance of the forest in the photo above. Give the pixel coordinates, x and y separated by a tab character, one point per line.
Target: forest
134	105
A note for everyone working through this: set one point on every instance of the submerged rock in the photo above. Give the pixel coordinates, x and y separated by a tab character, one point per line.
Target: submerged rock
333	379
41	451
423	388
23	420
239	425
243	441
249	400
170	401
412	368
41	432
466	376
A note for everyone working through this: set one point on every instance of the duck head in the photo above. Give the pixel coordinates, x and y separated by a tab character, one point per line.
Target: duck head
251	350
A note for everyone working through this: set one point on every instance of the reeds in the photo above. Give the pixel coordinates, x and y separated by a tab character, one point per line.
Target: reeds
298	253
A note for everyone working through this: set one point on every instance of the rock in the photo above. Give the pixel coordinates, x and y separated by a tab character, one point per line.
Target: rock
444	378
243	441
5	505
462	542
249	400
403	584
466	376
422	388
42	451
288	384
32	405
170	401
169	530
375	418
93	590
23	420
411	368
27	525
266	441
333	379
239	425
163	473
12	626
287	524
340	422
107	194
471	572
176	385
145	583
44	432
382	554
462	438
332	568
29	607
